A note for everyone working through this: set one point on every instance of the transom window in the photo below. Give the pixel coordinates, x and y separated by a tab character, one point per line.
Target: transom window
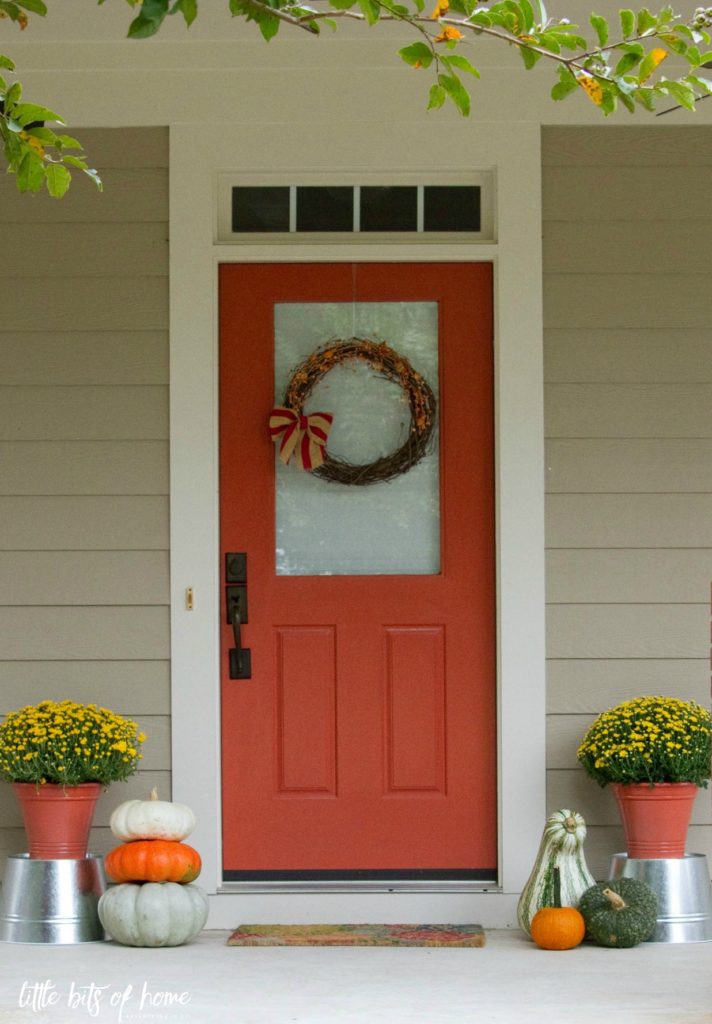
375	209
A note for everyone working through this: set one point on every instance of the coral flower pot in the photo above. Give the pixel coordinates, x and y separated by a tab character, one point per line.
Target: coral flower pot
655	818
57	818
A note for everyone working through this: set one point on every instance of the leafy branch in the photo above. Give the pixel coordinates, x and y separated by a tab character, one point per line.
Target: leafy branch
38	156
613	65
624	69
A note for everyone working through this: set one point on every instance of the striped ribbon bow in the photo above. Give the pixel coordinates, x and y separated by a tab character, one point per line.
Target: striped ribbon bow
303	437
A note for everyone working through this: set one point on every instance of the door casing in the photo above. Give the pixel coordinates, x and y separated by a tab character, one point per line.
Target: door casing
519	451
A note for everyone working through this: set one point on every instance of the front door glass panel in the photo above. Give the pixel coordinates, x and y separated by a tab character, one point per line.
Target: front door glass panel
325	528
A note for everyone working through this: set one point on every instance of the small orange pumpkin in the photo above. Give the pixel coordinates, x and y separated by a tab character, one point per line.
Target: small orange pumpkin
153	860
558	928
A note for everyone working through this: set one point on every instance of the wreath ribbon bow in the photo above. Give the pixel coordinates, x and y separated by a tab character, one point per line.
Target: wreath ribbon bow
303	437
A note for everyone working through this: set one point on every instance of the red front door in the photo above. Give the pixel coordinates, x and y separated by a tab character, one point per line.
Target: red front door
363	745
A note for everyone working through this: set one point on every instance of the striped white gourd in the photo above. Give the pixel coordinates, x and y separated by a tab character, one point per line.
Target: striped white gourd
561	847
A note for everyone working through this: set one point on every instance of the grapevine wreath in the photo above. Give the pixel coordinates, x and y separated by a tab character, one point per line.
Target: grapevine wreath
304	437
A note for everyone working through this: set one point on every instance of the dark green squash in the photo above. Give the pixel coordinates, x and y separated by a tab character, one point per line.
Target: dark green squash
619	914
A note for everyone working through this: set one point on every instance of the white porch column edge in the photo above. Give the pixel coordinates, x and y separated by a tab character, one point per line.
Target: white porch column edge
513	150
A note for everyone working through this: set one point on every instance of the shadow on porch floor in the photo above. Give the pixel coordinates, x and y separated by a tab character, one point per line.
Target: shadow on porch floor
507	982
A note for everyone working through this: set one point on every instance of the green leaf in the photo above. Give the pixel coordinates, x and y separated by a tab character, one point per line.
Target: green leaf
563	89
609	102
645	21
12	97
706	58
600	26
646	98
673	43
528	14
150	19
26	112
627	62
627	101
75	161
684	95
437	97
66	141
627	22
58	179
342	5
457	92
480	18
5	62
188	8
30	173
370	10
417	55
268	25
701	83
462	64
530	57
33	6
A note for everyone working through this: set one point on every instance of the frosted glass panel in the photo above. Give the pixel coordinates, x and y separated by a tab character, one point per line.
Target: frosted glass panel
328	528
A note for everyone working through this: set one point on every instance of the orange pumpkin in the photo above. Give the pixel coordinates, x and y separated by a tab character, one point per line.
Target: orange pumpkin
558	928
153	860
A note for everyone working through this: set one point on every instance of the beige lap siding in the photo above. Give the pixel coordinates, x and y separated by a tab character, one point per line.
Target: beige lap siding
628	370
84	452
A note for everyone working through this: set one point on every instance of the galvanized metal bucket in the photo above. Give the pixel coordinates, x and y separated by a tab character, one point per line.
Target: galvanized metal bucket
52	901
682	885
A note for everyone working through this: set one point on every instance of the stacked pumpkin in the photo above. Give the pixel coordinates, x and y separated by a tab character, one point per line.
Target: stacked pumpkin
154	903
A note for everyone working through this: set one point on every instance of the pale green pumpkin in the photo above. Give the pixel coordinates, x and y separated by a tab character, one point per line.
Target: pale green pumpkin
561	847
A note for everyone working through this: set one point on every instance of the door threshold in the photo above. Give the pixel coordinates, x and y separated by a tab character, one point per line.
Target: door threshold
361	886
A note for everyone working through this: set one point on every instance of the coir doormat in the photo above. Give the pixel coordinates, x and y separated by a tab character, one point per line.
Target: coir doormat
358	935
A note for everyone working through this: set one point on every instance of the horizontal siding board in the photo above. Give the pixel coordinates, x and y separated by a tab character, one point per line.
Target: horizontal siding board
619	576
83	467
628	631
648	247
629	465
84	303
87	358
83	413
128	687
628	301
628	410
629	520
589	686
643	146
137	195
126	147
84	577
95	250
74	634
576	194
654	355
42	523
573	788
138	787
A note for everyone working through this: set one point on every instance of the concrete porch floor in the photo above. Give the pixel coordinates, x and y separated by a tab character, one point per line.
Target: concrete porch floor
510	981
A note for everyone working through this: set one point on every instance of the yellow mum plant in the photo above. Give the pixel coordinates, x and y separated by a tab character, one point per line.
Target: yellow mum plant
649	739
68	743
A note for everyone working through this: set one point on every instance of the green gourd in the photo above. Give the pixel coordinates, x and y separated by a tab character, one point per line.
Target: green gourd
621	913
561	847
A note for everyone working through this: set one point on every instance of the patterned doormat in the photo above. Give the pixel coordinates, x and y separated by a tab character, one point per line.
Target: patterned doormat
358	935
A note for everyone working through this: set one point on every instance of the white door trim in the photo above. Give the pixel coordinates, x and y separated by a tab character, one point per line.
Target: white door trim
514	153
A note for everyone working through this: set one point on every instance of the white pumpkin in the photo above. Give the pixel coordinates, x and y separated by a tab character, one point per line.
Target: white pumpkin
152	819
153	914
561	847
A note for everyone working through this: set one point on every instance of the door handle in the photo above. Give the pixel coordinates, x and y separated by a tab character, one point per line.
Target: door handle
240	657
